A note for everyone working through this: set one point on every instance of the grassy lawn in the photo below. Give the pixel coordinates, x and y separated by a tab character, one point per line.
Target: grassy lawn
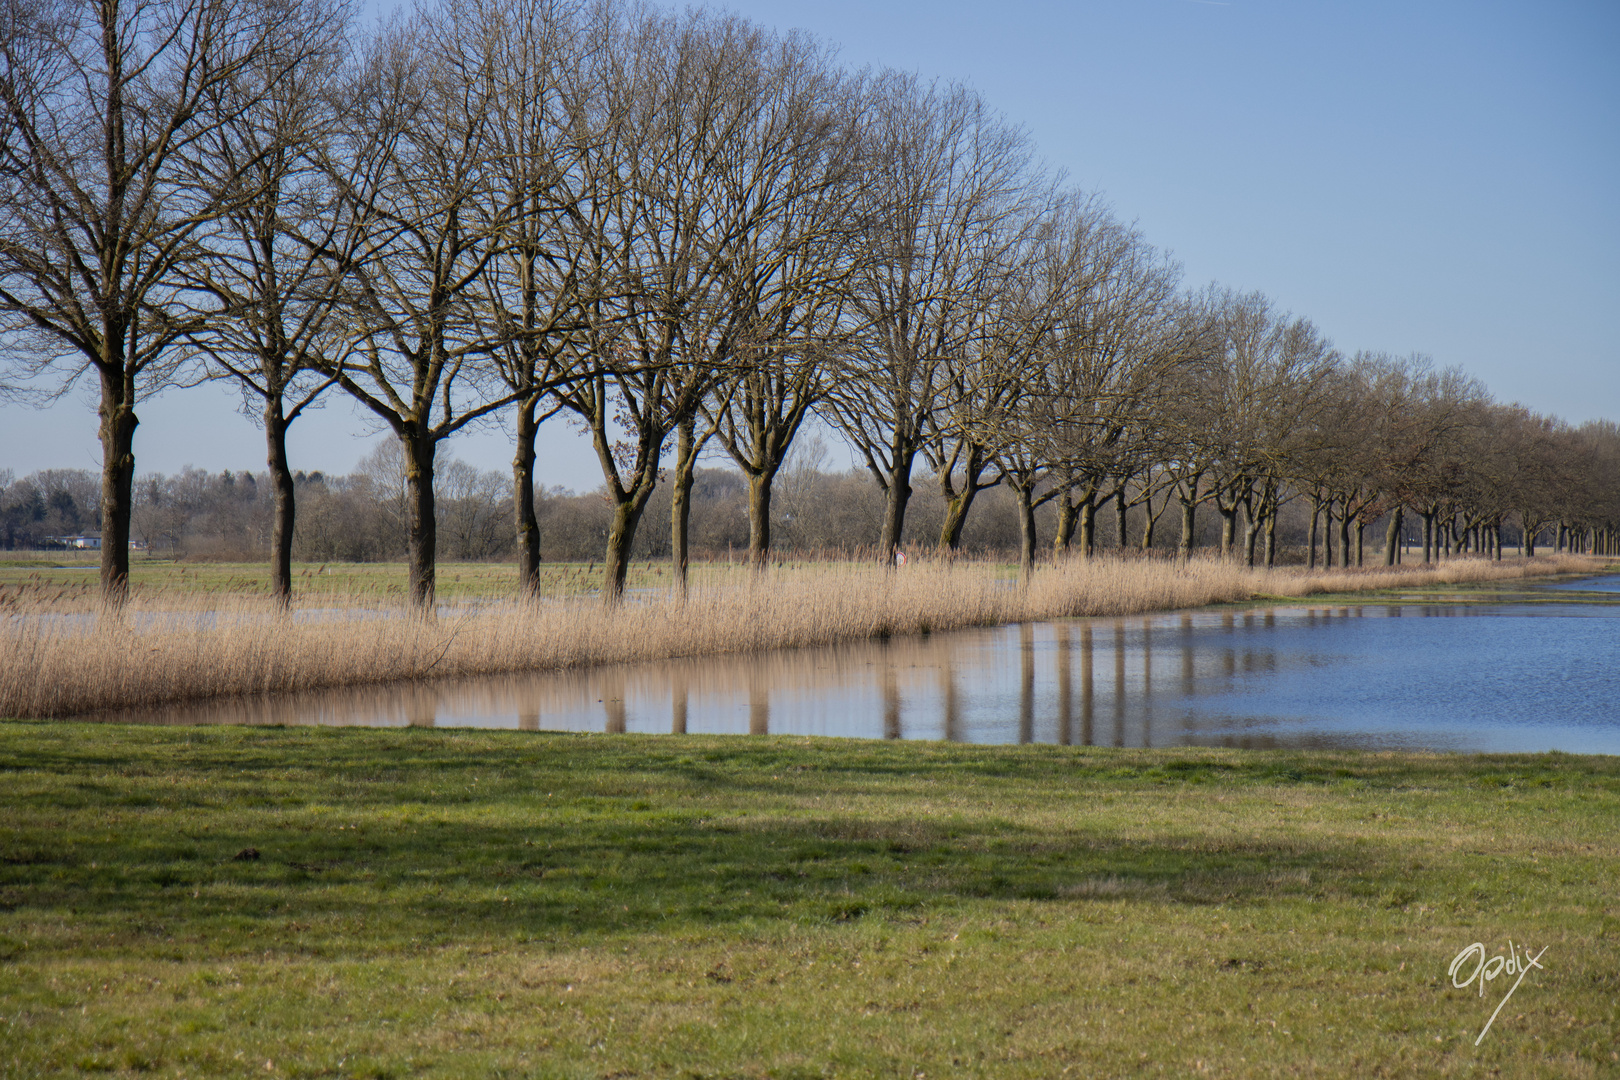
455	581
72	573
457	903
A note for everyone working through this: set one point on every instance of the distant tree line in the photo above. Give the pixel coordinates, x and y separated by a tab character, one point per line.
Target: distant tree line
815	514
684	234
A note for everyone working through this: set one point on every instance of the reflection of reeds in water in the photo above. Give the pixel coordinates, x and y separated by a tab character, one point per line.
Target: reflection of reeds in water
55	666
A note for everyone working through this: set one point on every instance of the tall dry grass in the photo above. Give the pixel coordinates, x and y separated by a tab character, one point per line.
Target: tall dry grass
162	650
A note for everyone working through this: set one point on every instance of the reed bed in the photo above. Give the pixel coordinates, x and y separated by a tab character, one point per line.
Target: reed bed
162	650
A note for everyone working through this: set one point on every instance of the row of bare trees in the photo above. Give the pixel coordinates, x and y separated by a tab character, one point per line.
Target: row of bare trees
686	235
816	514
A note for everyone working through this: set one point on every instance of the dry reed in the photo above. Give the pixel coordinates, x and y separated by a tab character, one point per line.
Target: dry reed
158	651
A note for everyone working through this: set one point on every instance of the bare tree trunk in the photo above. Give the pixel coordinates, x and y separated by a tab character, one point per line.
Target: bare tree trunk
956	512
1344	538
1316	512
1088	528
1251	533
680	521
759	518
1067	518
1428	536
958	503
1271	539
621	538
1327	534
680	503
118	423
1392	536
422	532
1026	533
1228	529
1189	511
528	524
894	509
1361	543
281	524
1121	523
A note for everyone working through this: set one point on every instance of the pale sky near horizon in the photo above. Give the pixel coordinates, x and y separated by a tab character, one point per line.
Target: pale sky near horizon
1436	177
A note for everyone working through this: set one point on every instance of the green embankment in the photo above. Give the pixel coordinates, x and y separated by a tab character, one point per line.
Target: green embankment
438	903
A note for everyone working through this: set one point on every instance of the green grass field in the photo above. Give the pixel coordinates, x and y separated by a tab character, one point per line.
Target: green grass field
73	573
455	581
456	903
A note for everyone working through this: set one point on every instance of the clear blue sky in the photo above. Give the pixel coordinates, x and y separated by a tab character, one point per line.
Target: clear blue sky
1432	177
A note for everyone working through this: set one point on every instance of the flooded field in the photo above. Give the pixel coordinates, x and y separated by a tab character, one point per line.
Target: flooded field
1529	675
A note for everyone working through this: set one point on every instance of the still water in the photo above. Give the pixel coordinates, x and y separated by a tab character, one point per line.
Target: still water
1542	673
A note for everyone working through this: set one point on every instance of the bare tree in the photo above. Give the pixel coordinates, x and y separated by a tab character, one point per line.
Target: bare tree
995	423
267	264
1185	421
541	278
948	176
666	116
99	100
1429	465
1537	473
1265	392
725	141
1298	373
414	166
1117	353
1014	396
469	504
789	227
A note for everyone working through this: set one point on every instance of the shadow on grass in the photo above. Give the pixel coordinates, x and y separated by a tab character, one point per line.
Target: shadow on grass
444	880
375	841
